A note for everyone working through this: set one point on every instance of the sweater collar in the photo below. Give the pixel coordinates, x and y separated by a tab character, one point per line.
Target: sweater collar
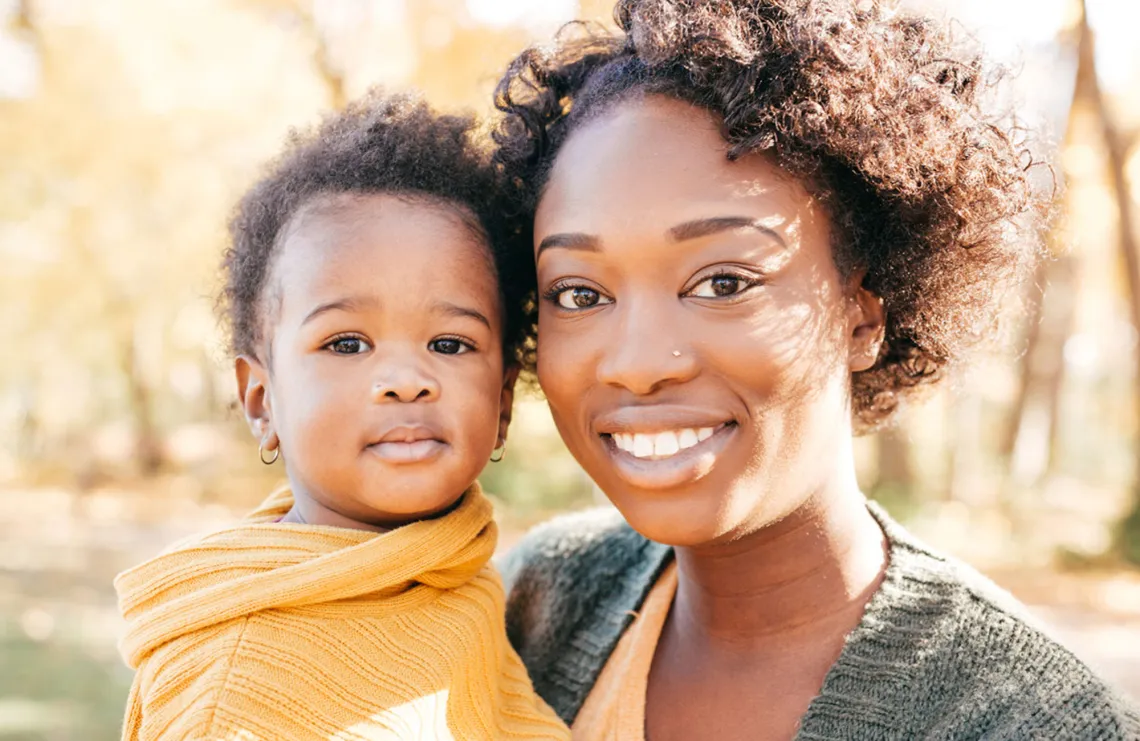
912	589
263	564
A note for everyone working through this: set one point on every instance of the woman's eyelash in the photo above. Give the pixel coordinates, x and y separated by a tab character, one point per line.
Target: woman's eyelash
556	288
743	276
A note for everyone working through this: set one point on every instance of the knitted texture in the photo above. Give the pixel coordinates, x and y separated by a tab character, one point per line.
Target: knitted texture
941	652
267	631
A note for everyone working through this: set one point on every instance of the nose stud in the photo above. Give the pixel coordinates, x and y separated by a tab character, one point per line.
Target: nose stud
676	353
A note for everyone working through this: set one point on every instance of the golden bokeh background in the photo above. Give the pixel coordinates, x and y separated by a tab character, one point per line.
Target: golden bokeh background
128	128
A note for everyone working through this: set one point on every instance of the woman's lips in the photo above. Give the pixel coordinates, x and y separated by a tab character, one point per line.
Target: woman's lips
667	458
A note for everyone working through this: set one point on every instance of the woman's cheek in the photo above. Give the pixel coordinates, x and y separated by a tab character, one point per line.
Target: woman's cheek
799	342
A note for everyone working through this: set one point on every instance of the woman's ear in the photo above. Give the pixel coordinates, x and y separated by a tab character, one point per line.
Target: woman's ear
506	402
867	321
253	395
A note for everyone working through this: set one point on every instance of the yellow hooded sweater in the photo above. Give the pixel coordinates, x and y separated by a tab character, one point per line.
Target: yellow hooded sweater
270	631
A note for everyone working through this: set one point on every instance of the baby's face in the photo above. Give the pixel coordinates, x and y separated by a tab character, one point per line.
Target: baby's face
386	372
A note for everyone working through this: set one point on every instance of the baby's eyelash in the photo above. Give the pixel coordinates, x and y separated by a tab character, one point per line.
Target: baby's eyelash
457	338
344	336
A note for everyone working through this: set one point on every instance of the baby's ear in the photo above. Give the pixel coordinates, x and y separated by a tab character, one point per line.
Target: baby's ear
506	401
253	395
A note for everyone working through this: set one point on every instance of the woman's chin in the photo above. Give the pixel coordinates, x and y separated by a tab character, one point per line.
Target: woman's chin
677	523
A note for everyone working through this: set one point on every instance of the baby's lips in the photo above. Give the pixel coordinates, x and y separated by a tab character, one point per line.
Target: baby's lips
408	433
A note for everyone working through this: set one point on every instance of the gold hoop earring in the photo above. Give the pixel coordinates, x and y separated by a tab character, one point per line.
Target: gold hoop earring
502	451
261	454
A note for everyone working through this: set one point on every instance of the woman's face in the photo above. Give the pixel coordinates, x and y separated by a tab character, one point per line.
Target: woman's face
696	339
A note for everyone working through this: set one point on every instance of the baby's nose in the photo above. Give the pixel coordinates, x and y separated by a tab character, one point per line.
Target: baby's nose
404	384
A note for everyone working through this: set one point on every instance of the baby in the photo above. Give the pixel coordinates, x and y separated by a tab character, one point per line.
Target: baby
377	328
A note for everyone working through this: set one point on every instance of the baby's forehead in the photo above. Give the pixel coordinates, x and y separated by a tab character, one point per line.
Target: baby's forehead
387	245
341	213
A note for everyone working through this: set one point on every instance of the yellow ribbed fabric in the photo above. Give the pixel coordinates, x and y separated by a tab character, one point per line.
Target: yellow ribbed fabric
270	631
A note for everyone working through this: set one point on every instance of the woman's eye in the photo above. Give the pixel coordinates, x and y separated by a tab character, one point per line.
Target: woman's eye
580	297
349	346
447	346
720	286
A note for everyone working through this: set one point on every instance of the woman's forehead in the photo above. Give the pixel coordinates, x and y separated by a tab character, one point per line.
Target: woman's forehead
661	161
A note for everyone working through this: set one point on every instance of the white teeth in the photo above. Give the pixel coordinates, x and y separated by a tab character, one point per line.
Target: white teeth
661	444
642	446
665	443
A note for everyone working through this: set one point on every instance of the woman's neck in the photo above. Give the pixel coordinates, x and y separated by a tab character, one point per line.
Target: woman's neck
816	567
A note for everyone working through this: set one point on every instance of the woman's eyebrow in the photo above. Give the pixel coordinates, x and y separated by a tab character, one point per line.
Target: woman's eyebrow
569	241
704	227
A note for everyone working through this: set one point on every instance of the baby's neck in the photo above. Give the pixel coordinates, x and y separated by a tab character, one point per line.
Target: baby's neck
324	516
307	510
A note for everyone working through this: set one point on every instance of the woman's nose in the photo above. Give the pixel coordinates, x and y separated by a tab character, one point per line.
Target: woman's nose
404	382
646	354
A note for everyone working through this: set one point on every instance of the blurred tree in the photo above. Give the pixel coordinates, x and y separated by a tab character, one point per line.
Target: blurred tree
459	62
601	11
304	13
894	483
118	173
1117	146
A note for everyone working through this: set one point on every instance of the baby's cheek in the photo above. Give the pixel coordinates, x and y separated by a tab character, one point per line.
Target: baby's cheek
320	415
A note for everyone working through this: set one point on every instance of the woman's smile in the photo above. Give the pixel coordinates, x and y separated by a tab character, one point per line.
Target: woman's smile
667	459
661	446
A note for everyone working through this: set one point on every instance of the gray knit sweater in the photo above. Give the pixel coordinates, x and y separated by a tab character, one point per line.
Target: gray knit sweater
941	652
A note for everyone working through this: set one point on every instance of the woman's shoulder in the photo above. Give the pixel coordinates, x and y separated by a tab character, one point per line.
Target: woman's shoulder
571	586
961	652
571	546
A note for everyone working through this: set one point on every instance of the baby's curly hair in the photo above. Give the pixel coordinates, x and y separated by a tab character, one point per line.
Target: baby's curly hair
880	113
380	144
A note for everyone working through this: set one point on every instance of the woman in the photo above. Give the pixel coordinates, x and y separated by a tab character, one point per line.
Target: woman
760	226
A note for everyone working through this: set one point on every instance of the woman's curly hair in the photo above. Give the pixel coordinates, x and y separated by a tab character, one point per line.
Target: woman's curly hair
379	144
880	113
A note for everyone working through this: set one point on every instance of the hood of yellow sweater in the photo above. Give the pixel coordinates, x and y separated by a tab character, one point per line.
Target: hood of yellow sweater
262	564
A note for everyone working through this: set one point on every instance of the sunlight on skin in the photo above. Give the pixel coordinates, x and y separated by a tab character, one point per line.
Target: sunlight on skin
636	170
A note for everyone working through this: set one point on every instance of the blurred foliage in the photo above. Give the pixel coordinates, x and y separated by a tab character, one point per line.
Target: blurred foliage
54	690
129	127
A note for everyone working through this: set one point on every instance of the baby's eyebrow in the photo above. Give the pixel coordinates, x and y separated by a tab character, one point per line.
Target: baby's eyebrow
350	303
446	307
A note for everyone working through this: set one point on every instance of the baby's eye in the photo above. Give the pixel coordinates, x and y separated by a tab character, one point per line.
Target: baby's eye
720	286
449	346
349	346
580	297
